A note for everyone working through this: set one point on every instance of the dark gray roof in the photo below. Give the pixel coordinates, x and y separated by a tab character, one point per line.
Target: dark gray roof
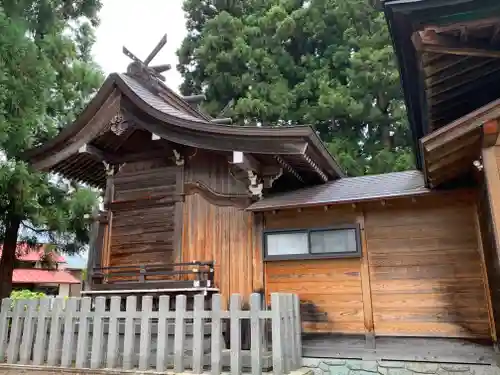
155	101
349	189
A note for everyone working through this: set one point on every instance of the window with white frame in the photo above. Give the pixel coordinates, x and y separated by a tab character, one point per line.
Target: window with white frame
335	242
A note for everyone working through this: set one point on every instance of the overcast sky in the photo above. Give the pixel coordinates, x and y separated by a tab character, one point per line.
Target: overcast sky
139	25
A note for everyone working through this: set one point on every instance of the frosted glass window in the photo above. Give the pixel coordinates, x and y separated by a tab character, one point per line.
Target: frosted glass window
287	243
333	241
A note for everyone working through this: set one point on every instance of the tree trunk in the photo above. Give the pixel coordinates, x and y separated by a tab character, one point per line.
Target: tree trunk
12	224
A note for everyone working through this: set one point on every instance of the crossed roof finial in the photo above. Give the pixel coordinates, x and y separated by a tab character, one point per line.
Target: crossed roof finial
153	70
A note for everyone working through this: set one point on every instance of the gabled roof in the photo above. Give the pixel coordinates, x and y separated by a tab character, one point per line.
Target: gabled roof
160	111
349	190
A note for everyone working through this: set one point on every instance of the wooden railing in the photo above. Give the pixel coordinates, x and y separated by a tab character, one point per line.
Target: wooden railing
85	333
174	275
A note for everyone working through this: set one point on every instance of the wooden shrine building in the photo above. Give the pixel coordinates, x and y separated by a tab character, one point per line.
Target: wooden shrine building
193	203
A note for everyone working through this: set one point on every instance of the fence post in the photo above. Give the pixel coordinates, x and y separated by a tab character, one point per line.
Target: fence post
292	336
55	331
4	326
113	334
287	328
180	310
277	331
298	330
216	340
41	332
234	314
162	339
198	333
27	338
69	333
255	334
15	332
129	334
97	333
82	345
145	336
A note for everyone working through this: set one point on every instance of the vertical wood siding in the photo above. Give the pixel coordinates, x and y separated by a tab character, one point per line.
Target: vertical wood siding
214	229
226	236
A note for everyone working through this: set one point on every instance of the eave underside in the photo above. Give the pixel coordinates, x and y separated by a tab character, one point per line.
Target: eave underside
448	53
144	116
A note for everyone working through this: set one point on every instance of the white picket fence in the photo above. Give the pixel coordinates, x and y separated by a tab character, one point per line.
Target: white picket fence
85	333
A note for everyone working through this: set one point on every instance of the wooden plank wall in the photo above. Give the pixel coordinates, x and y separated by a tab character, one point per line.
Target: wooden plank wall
215	229
424	272
143	233
425	266
330	290
491	254
489	220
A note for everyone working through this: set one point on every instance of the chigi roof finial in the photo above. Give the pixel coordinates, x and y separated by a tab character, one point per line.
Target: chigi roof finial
138	66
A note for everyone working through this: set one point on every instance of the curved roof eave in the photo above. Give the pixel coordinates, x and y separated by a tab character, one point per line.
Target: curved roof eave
160	110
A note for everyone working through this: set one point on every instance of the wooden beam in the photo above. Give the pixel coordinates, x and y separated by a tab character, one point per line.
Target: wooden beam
487	293
452	147
245	162
492	177
366	285
474	24
157	49
430	41
490	133
222	121
461	127
93	151
195	99
444	162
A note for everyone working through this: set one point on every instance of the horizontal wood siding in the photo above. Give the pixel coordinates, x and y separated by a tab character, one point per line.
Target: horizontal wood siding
426	273
329	290
143	214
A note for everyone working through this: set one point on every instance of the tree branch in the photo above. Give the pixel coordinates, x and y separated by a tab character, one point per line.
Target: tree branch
35	229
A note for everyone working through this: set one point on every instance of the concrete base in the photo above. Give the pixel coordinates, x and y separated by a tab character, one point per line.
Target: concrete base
325	366
46	370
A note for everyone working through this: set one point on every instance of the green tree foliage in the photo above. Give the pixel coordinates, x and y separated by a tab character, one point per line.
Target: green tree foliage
46	77
328	63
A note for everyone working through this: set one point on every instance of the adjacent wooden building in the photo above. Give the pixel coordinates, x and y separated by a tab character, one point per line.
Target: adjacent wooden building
195	204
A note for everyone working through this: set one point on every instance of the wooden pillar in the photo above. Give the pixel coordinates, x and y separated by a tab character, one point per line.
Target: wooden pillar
492	178
109	196
366	286
492	181
97	244
178	215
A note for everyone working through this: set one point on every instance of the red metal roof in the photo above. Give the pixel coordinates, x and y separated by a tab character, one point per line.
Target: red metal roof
37	276
29	254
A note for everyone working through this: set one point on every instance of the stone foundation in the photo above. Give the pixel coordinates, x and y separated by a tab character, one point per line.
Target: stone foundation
325	366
